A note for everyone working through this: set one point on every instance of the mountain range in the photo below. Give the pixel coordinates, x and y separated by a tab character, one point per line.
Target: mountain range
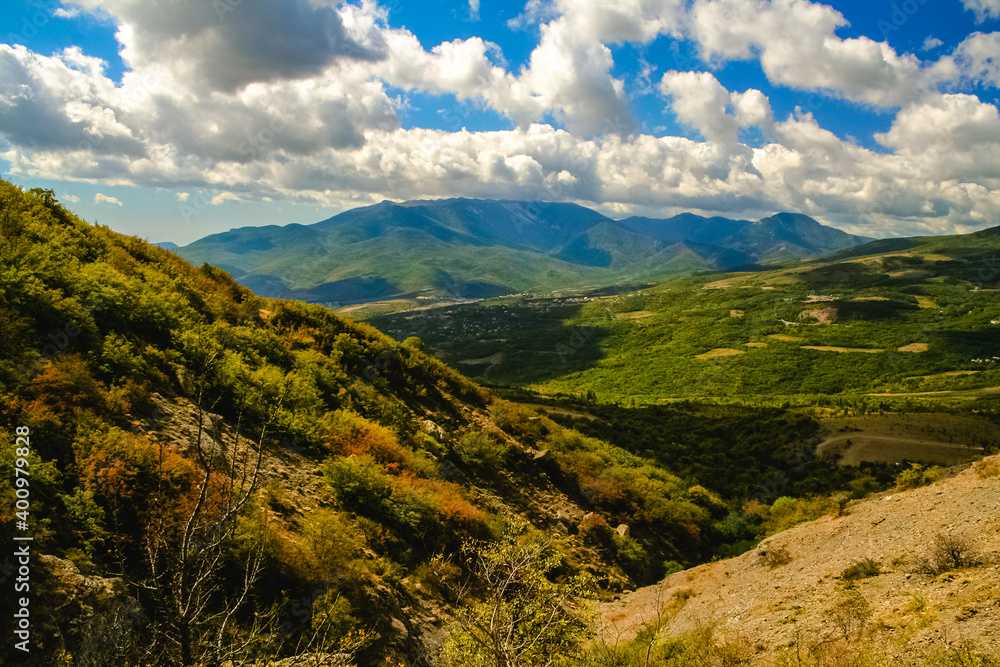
470	248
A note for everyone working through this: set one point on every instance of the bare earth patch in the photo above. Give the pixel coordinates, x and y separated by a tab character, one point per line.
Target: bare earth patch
794	601
856	448
492	360
736	313
821	315
718	352
827	348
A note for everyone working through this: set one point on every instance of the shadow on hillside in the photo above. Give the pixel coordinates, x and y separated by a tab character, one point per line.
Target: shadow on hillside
504	344
967	344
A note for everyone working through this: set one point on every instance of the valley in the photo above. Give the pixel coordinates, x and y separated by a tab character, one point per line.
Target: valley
299	464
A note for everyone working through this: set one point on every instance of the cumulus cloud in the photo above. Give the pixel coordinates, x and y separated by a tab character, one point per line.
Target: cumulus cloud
984	9
931	43
101	198
978	57
699	100
797	45
316	122
73	199
231	44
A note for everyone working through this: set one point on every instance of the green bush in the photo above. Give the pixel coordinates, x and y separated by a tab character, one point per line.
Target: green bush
480	450
671	567
917	475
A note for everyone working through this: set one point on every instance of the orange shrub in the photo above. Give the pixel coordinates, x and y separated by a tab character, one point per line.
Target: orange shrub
349	434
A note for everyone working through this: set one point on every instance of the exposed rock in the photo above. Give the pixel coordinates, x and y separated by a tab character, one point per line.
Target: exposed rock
623	529
91	618
822	315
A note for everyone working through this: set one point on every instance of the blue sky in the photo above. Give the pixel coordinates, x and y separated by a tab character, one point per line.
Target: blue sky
176	120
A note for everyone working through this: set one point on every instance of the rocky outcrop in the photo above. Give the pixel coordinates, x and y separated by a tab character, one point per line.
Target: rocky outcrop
80	619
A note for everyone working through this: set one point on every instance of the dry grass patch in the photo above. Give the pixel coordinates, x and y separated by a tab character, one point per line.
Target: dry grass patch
988	468
827	348
755	344
635	315
786	338
913	347
719	352
924	302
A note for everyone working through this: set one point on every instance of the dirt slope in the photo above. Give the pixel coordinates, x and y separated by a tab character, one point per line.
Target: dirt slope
789	590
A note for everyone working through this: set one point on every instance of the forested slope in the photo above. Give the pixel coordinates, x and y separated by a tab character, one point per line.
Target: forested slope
215	476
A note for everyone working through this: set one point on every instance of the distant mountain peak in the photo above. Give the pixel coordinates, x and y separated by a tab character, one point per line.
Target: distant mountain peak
411	247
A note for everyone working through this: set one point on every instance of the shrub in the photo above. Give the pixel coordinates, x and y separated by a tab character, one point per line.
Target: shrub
786	512
774	555
851	614
479	450
594	529
629	553
947	552
671	567
988	467
916	475
863	569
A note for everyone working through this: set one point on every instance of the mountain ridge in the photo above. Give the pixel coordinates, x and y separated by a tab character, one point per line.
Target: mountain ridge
468	248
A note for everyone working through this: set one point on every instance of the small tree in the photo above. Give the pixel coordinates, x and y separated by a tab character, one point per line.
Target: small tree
947	552
188	542
523	618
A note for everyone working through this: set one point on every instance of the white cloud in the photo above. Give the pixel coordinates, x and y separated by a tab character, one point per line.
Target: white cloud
322	128
699	100
535	11
978	57
931	43
797	45
101	198
73	199
984	9
223	197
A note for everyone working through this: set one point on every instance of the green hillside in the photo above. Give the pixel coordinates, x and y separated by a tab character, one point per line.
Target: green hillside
919	316
214	476
458	249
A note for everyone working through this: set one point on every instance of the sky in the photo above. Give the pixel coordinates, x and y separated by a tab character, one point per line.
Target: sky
174	119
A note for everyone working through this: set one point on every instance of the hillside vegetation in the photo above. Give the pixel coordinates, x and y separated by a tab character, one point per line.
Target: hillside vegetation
872	329
215	478
220	477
